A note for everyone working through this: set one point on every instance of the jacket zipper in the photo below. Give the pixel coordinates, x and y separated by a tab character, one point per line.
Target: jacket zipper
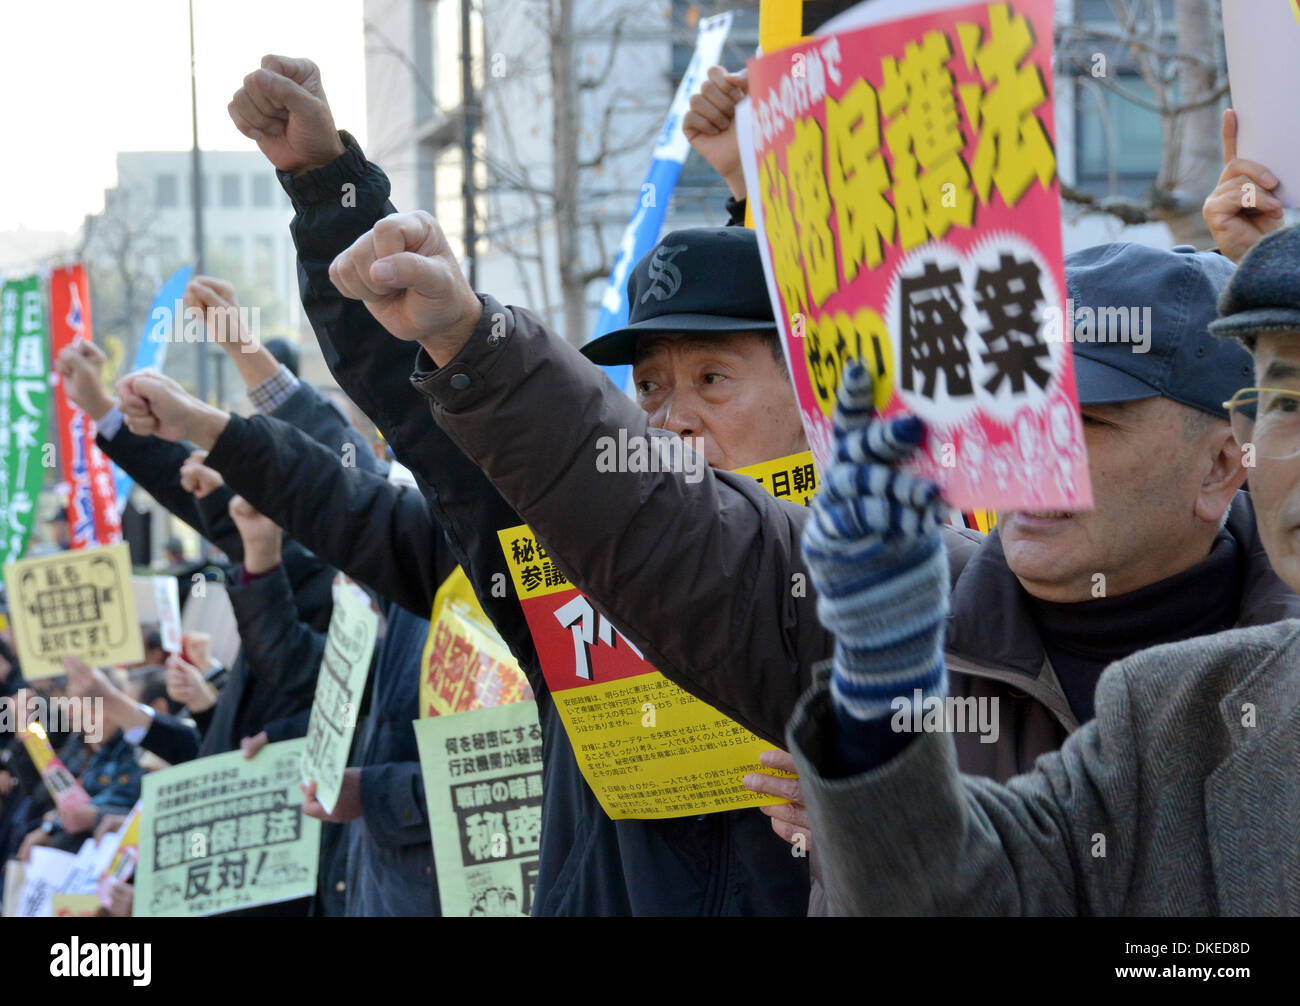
1051	697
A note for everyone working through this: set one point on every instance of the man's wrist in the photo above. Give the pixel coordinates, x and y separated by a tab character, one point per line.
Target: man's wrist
261	559
208	425
337	150
442	346
99	406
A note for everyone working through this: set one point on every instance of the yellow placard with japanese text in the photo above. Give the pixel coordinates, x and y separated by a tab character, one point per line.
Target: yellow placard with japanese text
646	746
465	665
78	602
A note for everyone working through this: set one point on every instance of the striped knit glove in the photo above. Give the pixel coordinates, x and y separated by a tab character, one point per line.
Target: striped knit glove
874	552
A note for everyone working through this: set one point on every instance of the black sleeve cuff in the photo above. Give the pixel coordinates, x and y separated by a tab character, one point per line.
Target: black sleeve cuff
324	183
228	446
736	212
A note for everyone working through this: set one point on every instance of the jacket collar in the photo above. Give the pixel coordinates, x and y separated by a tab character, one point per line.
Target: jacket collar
989	622
1268	699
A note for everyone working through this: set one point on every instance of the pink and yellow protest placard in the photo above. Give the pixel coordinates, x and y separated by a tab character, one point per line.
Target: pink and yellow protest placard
904	182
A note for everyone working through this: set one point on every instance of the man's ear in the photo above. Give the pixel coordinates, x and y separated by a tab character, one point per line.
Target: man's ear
1226	474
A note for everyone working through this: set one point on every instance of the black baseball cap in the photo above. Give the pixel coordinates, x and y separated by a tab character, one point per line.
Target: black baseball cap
700	280
1182	361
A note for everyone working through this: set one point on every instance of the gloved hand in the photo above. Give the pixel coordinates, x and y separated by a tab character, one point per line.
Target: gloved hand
874	552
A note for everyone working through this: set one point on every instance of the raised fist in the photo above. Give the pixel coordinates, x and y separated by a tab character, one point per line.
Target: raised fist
197	478
404	271
153	404
282	106
81	365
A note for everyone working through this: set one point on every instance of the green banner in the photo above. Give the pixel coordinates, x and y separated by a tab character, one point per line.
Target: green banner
483	782
24	404
225	832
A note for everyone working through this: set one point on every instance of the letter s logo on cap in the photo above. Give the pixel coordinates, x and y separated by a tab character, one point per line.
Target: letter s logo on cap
665	278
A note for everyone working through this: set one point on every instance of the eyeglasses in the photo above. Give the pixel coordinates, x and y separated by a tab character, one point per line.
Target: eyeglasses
1267	419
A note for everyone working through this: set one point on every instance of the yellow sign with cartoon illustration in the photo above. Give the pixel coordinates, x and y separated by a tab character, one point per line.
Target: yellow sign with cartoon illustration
78	602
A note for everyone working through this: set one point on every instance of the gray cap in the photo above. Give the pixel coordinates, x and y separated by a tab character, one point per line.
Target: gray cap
1264	295
1171	296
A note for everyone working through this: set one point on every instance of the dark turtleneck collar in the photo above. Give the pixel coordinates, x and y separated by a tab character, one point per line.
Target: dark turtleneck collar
1083	638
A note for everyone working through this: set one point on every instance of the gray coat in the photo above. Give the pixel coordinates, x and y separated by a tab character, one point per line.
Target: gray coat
1182	797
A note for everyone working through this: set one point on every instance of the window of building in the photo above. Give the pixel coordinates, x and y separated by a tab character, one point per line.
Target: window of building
1117	138
264	258
262	191
232	192
166	192
169	253
232	251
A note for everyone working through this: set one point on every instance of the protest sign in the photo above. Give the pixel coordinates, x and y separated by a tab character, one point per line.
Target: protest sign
15	883
24	406
1260	41
791	478
466	664
77	602
93	515
647	748
904	184
483	783
158	603
344	665
223	833
74	906
44	875
65	791
126	852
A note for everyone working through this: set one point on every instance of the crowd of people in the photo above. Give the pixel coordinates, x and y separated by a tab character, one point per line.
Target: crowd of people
1142	749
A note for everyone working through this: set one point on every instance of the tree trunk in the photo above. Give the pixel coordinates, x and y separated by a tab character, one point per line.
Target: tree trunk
1199	156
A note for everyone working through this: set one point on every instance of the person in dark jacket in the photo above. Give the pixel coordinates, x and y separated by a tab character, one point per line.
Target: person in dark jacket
748	880
463	374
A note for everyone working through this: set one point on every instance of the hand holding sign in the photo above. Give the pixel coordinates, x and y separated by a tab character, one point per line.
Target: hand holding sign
1242	208
185	685
346	808
405	273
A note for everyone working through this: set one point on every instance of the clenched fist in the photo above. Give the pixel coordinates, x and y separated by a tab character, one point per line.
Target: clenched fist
197	478
282	106
404	271
81	365
155	405
261	536
710	124
185	684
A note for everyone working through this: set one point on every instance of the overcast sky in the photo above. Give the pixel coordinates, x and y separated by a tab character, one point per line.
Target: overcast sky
81	80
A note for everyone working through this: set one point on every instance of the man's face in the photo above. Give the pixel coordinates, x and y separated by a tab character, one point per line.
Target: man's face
1148	472
728	390
1275	483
